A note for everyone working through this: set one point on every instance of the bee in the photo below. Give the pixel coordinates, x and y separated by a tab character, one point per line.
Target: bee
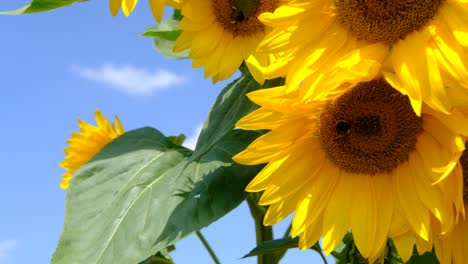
237	16
343	128
243	9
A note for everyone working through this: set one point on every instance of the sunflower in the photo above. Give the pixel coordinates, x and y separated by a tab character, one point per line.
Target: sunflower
221	34
157	6
422	44
453	247
85	144
351	156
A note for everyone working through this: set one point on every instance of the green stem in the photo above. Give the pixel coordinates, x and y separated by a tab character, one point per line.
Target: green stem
207	246
322	256
288	231
263	233
319	250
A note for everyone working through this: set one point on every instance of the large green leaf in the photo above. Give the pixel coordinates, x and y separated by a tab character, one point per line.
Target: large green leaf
142	193
41	6
230	106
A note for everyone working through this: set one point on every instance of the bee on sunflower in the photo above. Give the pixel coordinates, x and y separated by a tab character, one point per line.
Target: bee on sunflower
221	34
353	155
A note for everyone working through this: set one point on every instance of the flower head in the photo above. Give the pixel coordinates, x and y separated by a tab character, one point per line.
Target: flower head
221	34
350	157
420	45
85	144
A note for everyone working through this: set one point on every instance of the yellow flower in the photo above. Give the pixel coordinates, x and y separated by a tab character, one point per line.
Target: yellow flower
421	45
453	247
351	156
157	6
85	144
221	34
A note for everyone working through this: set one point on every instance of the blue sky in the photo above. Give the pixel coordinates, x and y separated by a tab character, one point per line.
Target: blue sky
59	66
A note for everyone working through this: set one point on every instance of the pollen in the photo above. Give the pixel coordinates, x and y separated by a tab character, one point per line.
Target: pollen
385	20
370	129
240	16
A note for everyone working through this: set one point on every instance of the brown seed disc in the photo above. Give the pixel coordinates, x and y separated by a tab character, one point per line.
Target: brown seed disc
370	129
385	20
240	16
464	165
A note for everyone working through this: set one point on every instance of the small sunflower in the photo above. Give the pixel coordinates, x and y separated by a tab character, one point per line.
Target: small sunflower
221	34
422	44
85	144
157	6
351	157
453	247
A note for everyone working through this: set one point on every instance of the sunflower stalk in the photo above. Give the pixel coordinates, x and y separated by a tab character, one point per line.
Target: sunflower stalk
263	233
207	247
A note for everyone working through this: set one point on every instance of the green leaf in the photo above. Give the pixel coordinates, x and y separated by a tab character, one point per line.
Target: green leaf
231	105
165	46
40	6
168	29
164	36
142	192
273	246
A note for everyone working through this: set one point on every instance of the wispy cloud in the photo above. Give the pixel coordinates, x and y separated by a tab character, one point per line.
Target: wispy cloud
6	246
191	140
130	79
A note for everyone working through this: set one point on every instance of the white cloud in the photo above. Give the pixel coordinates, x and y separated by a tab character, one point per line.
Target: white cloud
130	79
191	140
6	246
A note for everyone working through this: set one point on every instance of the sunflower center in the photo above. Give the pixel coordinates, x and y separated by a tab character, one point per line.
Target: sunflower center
385	20
240	16
370	129
464	165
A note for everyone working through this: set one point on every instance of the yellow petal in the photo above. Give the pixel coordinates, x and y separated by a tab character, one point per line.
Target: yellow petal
301	168
128	6
404	245
157	8
115	6
336	220
416	214
311	234
363	214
